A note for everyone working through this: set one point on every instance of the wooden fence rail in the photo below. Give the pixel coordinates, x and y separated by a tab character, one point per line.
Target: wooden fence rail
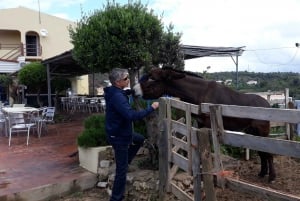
183	146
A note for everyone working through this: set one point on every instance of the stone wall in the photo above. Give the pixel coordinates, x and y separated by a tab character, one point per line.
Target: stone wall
142	184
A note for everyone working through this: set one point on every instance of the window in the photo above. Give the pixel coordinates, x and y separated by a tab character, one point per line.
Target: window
31	45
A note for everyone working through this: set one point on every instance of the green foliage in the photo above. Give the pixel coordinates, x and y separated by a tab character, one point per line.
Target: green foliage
234	152
93	134
274	81
128	36
117	36
140	125
5	80
33	75
60	84
170	54
277	129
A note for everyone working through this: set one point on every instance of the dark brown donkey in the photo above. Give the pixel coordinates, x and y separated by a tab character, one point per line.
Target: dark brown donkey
196	90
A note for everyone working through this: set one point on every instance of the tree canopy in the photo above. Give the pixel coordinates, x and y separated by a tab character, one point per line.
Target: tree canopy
128	36
34	76
5	80
170	54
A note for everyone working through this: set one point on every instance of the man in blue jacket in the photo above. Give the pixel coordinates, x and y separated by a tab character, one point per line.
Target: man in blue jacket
118	125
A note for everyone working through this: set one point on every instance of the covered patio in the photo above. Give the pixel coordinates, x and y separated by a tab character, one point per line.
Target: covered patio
64	64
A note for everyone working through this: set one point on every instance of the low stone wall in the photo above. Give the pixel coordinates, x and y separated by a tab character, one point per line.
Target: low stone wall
141	184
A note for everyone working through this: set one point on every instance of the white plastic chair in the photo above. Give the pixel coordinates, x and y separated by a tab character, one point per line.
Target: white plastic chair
47	118
37	118
93	104
19	122
3	122
102	105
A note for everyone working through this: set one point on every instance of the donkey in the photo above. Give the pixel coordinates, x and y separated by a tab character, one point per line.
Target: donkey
194	89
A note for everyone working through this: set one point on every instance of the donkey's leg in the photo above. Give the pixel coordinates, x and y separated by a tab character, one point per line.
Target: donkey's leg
263	164
272	172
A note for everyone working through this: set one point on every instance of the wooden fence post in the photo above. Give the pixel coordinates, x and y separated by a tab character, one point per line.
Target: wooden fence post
188	122
163	151
196	164
206	161
217	131
287	125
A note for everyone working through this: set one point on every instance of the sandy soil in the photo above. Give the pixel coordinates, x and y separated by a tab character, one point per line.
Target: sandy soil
288	177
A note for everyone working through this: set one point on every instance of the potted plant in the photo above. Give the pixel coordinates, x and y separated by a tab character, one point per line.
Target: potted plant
92	141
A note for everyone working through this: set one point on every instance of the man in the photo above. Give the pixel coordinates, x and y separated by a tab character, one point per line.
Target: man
118	125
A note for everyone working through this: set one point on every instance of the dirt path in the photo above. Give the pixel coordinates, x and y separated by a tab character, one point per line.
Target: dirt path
288	177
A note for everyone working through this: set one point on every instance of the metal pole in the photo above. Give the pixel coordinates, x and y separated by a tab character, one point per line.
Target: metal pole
49	85
237	70
93	93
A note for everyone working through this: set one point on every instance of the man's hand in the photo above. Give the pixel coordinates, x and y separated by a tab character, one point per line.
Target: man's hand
155	105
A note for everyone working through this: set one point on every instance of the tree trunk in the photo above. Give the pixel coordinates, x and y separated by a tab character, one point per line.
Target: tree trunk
38	100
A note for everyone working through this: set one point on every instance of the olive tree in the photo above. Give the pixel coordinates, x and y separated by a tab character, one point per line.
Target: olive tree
170	54
34	76
5	81
128	36
59	84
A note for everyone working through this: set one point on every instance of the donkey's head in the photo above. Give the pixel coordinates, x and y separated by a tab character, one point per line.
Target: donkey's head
155	84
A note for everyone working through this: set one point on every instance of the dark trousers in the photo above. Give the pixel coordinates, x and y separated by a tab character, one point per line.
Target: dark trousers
124	154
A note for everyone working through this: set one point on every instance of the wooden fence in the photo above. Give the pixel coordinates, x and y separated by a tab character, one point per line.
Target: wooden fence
182	146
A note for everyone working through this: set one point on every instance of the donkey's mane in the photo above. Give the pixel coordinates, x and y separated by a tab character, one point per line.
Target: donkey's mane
185	72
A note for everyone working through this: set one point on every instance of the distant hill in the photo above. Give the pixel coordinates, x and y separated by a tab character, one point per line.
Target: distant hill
259	82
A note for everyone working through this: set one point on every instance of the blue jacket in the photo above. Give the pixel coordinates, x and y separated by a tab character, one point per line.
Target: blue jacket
120	115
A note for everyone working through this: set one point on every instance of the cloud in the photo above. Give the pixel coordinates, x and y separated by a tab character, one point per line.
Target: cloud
269	29
46	6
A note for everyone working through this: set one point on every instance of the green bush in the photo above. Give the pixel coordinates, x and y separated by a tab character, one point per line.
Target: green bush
93	134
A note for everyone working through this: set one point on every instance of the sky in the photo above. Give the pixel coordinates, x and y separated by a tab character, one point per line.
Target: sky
269	29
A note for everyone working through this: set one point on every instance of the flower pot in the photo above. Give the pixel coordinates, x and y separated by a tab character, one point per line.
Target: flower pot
89	157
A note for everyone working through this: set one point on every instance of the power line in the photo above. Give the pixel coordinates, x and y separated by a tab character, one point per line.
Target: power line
269	49
266	49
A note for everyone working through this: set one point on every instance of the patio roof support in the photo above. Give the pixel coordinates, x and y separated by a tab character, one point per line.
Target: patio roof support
49	84
236	62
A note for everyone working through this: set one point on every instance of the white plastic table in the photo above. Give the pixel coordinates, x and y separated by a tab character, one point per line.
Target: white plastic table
19	109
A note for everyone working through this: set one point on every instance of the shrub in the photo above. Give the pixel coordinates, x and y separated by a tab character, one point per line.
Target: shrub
93	134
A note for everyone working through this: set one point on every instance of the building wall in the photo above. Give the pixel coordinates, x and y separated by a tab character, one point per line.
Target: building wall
9	37
97	83
16	23
80	85
24	20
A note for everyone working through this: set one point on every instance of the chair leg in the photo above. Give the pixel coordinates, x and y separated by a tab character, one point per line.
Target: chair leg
6	129
28	136
9	138
41	124
38	129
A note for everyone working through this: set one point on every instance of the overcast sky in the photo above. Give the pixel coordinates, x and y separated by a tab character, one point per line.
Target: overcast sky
269	29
